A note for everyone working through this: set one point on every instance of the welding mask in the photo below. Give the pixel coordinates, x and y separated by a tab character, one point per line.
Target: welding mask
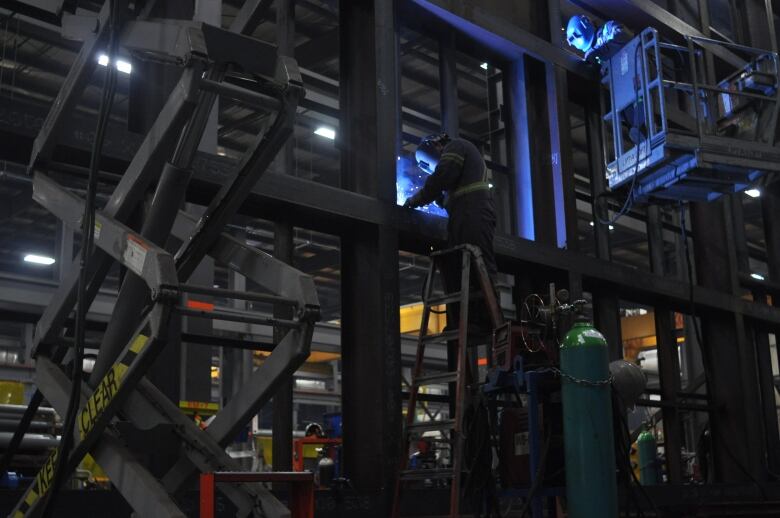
580	33
429	151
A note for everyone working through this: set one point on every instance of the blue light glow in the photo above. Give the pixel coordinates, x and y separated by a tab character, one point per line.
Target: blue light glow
408	180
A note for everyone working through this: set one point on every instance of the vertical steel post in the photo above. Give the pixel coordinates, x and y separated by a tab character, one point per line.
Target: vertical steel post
282	419
733	388
770	208
606	305
368	135
561	156
519	147
666	346
448	83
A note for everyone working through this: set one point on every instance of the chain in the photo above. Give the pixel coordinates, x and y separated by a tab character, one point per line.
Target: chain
578	381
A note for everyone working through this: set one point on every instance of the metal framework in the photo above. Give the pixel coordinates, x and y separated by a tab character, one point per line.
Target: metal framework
148	312
372	228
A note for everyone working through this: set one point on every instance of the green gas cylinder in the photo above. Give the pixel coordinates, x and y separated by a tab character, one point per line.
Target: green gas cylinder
591	487
648	469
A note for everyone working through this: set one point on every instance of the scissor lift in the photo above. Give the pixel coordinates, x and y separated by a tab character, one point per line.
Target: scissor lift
673	130
147	315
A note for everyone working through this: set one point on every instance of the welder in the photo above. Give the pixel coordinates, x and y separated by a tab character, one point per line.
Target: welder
458	181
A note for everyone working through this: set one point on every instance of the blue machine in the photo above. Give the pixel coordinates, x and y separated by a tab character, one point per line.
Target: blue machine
672	133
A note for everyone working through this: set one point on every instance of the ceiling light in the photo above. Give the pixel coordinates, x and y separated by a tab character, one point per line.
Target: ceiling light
326	132
38	259
757	276
612	227
124	66
483	66
121	65
753	193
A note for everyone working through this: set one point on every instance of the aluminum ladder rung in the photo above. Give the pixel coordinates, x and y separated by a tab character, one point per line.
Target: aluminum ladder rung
440	337
433	379
432	426
449	298
444	299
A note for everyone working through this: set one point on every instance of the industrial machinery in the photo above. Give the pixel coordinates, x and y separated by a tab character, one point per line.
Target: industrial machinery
688	122
548	375
154	295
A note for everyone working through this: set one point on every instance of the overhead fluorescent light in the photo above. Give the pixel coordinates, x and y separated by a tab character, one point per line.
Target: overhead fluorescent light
757	276
121	65
38	259
326	132
483	66
124	66
753	193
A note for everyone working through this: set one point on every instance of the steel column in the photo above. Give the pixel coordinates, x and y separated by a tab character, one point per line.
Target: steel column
736	426
770	208
519	150
666	346
370	320
539	132
561	148
283	250
606	304
448	83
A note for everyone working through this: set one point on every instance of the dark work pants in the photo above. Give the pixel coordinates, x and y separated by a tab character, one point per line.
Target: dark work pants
472	221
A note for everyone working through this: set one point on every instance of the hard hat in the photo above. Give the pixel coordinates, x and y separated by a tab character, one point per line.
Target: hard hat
428	152
314	429
580	32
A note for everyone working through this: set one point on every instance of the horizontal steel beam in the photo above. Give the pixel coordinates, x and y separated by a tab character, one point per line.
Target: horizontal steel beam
328	209
474	21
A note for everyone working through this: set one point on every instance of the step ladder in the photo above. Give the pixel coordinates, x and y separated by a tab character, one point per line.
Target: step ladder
462	378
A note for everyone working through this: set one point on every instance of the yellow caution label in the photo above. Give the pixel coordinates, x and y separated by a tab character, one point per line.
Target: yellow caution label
199	406
108	388
44	478
43	481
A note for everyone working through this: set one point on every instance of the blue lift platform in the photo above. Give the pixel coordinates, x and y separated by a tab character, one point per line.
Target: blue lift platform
674	131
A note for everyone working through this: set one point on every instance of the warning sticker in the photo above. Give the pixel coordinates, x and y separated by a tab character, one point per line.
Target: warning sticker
135	254
521	443
624	63
108	388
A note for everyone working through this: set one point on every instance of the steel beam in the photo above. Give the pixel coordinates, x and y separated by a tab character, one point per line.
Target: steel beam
369	129
283	251
448	84
668	359
606	303
502	38
736	426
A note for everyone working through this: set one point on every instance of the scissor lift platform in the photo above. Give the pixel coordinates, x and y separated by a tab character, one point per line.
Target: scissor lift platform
675	132
150	305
